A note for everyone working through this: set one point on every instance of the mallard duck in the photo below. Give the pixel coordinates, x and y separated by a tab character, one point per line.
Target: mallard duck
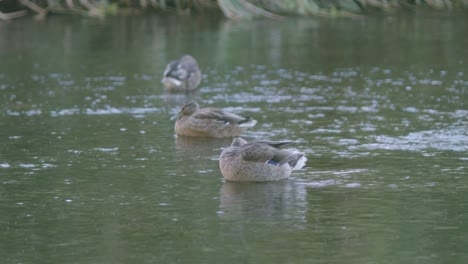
182	75
210	122
259	161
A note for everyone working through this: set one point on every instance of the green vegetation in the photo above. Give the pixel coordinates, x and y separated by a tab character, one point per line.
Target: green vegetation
233	9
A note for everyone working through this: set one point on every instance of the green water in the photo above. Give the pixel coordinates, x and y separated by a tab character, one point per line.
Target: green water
91	172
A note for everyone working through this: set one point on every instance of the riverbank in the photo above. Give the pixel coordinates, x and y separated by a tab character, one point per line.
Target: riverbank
232	9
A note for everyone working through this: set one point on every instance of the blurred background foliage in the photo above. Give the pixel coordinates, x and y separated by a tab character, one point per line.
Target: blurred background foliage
233	9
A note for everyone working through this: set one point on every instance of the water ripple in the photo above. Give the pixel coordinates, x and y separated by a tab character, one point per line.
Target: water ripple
449	139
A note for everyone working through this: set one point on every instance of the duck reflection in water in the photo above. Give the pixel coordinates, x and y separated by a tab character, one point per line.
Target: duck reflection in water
273	200
192	147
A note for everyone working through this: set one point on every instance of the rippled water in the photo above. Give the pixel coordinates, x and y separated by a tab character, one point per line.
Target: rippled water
91	172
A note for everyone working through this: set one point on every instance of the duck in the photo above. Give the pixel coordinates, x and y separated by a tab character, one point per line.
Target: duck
182	75
259	161
212	122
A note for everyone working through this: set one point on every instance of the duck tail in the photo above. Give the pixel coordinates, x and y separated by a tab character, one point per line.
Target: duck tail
248	122
297	160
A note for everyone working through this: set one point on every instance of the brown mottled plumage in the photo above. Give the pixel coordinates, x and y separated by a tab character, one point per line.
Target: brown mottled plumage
210	122
259	161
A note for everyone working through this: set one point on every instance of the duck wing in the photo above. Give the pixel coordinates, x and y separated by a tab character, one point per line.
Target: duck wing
172	70
221	115
275	144
265	151
179	70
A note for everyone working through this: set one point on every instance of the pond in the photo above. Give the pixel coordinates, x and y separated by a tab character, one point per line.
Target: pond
91	171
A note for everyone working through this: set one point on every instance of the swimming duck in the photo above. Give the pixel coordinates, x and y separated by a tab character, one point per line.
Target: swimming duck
182	75
210	122
259	161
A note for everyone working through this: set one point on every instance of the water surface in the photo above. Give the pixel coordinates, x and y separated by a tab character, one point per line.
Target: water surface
91	171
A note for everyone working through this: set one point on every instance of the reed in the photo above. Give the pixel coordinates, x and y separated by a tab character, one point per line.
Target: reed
233	9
